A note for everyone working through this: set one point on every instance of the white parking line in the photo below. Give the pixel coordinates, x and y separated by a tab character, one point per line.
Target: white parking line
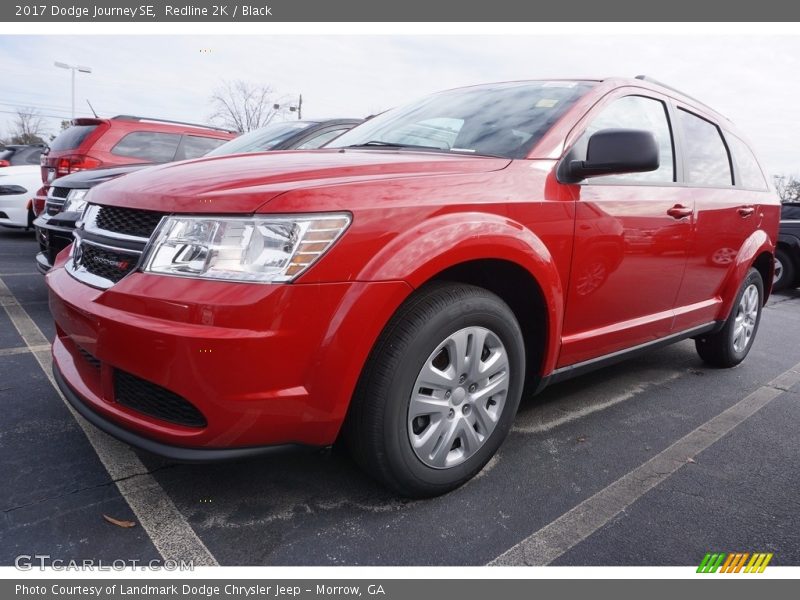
22	350
167	528
556	538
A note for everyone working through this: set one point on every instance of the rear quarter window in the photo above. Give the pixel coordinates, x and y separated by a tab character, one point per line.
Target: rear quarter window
71	138
748	173
151	146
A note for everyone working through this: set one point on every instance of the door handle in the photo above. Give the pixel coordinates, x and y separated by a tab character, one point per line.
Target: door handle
679	211
745	211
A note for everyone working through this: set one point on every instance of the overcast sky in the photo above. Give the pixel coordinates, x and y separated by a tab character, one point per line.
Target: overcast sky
752	79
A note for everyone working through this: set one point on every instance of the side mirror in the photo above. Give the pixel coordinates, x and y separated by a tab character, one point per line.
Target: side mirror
614	152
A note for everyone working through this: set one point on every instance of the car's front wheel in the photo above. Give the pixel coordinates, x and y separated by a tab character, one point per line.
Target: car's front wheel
729	346
440	390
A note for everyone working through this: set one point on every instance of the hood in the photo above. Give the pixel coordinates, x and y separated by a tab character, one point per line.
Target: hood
242	183
92	177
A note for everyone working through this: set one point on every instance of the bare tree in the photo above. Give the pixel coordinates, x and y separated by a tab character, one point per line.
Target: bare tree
244	106
28	127
788	188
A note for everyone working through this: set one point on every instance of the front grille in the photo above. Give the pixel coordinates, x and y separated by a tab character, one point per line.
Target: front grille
153	400
105	263
91	360
128	221
56	198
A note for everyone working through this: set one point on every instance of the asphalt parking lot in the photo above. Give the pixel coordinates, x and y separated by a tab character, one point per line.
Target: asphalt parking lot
655	461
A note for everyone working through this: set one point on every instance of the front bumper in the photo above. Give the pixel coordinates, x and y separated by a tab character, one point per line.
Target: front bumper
175	453
53	234
15	210
266	365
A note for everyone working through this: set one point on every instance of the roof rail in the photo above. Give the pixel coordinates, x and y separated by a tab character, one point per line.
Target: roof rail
135	118
669	87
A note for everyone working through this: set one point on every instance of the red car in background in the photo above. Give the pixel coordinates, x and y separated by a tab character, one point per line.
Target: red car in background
401	287
123	140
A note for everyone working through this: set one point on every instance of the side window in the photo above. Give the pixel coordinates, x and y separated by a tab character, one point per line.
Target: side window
748	173
635	112
195	146
148	145
707	160
320	140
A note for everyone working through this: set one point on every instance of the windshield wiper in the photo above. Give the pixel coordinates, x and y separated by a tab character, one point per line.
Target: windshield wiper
381	144
459	151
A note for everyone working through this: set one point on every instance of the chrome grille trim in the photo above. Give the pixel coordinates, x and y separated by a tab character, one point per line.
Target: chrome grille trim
56	197
88	235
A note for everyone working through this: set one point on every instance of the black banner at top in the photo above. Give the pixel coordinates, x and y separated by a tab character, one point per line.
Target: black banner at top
150	11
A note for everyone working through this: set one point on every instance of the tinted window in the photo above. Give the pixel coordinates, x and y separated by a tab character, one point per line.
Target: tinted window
320	140
26	156
706	161
748	173
71	137
195	146
635	112
148	145
790	211
262	139
505	119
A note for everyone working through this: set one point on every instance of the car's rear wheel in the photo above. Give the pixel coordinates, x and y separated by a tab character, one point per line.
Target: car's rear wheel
729	346
439	392
785	274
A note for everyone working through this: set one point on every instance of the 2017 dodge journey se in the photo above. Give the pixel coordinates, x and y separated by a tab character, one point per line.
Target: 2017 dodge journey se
402	290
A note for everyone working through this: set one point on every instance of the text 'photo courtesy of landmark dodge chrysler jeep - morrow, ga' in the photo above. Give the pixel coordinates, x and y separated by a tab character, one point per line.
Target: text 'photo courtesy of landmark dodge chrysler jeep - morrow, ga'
401	290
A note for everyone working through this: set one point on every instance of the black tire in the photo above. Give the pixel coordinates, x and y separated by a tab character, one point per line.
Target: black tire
718	349
789	273
377	427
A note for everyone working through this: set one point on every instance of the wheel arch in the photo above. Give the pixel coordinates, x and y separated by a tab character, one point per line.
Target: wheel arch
757	252
489	251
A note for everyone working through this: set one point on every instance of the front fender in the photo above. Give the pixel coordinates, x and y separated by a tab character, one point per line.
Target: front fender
449	240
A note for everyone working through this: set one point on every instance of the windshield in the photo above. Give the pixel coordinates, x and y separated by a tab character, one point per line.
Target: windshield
505	119
260	140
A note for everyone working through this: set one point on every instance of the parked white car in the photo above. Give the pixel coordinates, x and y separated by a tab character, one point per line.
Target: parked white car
18	186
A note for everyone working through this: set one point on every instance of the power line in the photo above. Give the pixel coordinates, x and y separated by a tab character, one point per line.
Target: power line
14	112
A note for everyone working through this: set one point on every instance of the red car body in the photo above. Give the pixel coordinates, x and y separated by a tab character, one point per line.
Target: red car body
592	271
90	143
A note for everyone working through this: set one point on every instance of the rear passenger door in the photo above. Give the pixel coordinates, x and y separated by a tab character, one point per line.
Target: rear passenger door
631	239
725	215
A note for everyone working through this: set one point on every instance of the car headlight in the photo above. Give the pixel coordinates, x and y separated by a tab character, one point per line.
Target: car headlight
257	249
76	201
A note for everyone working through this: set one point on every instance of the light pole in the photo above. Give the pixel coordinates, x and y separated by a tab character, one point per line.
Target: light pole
73	68
298	108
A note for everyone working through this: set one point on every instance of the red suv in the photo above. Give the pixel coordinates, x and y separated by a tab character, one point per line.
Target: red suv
123	140
402	289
